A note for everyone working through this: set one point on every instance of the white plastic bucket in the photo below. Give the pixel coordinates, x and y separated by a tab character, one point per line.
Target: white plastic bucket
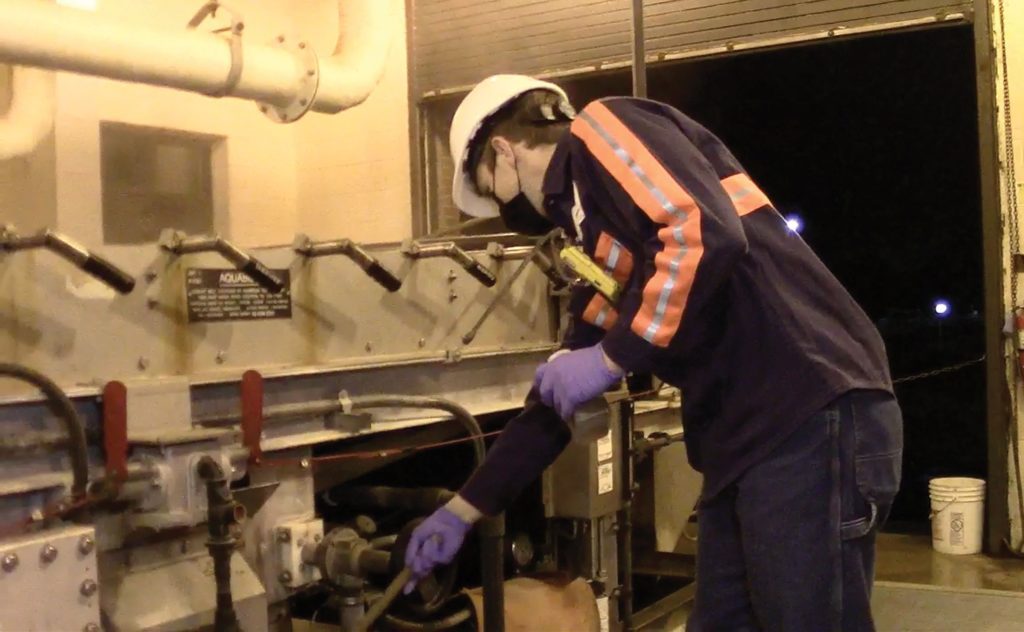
958	510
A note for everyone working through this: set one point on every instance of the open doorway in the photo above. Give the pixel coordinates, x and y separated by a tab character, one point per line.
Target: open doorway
870	145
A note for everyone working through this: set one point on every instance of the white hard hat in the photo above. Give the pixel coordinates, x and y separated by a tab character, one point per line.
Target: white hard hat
482	101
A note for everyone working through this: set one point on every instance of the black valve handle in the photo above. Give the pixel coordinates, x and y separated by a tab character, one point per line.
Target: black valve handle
263	276
381	275
481	274
110	274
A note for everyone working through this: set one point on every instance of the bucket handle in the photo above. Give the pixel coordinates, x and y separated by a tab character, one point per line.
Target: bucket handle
935	513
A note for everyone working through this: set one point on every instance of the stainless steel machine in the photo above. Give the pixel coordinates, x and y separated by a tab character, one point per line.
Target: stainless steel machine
198	436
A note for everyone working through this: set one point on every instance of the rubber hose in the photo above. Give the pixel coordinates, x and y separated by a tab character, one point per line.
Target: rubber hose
65	411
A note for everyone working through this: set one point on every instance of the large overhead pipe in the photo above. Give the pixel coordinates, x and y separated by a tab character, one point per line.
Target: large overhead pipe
29	116
85	260
287	77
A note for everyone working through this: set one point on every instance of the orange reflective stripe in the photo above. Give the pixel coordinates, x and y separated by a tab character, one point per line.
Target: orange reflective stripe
599	312
666	202
745	195
613	257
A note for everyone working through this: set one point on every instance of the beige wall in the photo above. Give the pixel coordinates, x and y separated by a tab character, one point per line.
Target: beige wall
353	177
341	175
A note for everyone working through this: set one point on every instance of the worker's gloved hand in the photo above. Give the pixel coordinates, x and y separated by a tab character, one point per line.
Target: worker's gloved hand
434	542
573	378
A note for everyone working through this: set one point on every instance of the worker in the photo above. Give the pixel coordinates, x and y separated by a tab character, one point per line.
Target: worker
788	406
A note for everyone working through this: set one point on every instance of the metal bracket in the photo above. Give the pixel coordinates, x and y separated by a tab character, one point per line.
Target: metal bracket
234	42
308	84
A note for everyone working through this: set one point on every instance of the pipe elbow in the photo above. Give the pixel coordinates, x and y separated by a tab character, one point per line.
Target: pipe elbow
366	30
29	118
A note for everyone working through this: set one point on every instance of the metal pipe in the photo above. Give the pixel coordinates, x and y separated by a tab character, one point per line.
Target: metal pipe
222	513
491	528
50	36
638	50
29	118
626	518
445	623
500	294
379	606
81	258
346	247
415	250
178	243
67	414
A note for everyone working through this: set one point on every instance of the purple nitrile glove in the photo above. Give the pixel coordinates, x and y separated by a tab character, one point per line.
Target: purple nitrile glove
570	379
435	541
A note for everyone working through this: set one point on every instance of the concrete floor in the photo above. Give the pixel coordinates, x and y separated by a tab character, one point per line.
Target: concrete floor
911	559
919	590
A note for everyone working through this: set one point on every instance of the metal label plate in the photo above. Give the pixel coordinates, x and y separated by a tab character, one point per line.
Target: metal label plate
225	294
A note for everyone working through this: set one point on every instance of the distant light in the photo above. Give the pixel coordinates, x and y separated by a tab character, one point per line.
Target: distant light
942	308
795	224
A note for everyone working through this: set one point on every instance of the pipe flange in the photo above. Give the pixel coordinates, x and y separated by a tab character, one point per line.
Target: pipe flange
308	83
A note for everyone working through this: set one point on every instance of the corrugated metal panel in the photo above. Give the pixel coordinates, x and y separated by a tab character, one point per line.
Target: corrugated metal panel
458	42
692	25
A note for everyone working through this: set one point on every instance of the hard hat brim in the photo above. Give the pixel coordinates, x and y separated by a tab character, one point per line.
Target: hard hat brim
466	199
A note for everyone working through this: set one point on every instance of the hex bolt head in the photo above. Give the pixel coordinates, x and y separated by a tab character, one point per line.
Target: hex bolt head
285	577
304	463
143	364
86	545
88	588
284	535
10	562
48	554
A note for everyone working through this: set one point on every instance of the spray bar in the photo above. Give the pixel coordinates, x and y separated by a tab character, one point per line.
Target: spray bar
449	249
89	262
179	243
346	247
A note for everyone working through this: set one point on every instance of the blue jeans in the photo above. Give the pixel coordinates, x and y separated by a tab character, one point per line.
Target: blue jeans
791	544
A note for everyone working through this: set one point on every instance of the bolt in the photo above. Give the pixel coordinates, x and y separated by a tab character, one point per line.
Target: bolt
263	109
10	562
318	538
422	343
285	577
310	73
150	276
369	347
48	554
151	303
221	355
303	102
143	364
284	535
86	545
452	276
302	45
88	588
452	296
91	627
280	39
304	463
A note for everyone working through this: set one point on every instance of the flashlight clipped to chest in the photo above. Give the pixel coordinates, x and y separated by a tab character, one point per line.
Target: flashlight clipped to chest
591	273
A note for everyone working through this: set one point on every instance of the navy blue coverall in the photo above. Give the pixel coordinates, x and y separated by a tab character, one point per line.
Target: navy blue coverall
788	408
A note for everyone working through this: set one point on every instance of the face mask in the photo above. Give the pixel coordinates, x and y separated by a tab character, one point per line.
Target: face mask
520	216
